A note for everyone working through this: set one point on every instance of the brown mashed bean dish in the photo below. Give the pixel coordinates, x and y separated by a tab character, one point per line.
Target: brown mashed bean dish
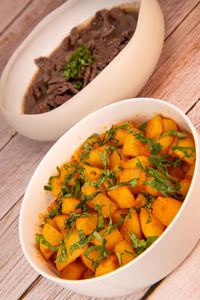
79	59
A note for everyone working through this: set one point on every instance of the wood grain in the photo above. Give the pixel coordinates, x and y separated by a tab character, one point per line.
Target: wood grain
18	160
177	79
194	115
22	26
183	283
6	133
174	12
10	10
176	38
16	274
45	290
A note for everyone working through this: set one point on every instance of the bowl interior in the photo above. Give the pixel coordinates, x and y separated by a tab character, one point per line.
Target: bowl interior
36	199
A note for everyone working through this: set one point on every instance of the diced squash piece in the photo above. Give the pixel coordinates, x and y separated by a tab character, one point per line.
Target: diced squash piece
121	135
190	171
52	236
140	200
185	142
93	255
176	172
87	224
116	159
73	271
131	224
129	174
69	205
55	186
89	189
184	186
52	223
151	190
94	157
132	163
60	220
122	247
88	274
154	127
92	173
165	209
73	239
133	147
106	204
56	181
107	265
77	153
169	124
122	196
152	228
117	215
112	238
165	143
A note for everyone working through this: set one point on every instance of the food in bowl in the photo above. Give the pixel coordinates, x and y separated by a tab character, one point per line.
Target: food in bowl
116	196
80	58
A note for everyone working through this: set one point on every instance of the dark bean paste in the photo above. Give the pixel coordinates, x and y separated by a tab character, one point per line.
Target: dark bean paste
79	59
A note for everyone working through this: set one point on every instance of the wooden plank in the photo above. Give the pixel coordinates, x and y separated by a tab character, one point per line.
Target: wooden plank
16	274
174	12
18	160
194	115
177	37
10	10
6	133
73	296
183	283
45	290
17	32
177	79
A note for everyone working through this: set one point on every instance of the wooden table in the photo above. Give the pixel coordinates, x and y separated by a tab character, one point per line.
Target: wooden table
176	79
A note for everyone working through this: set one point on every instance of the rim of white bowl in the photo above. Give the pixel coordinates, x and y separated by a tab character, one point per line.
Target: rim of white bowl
169	228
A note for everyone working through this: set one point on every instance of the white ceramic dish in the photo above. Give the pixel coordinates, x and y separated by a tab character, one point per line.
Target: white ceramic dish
157	261
122	78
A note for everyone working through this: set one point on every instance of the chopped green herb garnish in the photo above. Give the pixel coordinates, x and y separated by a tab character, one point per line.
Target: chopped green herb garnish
63	255
141	245
161	184
40	237
81	57
82	242
188	151
112	226
148	205
100	224
109	134
154	147
143	126
180	135
48	187
131	182
108	152
119	256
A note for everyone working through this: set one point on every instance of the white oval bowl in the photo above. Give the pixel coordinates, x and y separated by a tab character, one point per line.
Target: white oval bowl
158	260
122	78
